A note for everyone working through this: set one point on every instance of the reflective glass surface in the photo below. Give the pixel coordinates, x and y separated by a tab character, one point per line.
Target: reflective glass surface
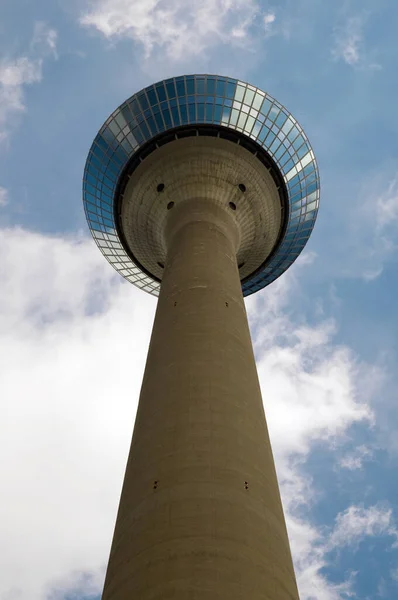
192	100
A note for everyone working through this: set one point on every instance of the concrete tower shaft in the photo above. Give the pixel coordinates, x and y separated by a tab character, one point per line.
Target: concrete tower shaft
200	514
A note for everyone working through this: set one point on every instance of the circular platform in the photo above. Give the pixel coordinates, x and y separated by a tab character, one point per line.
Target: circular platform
201	136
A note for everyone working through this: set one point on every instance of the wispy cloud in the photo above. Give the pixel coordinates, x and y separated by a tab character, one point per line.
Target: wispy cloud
3	196
44	39
349	42
269	19
177	27
357	522
355	459
18	72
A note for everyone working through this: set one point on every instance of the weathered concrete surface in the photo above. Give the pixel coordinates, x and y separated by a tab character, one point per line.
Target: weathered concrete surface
200	515
210	168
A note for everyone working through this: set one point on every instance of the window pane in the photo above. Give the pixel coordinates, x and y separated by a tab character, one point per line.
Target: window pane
211	86
209	112
239	93
171	89
258	100
200	86
180	87
161	92
265	107
143	101
220	87
248	97
190	85
230	91
201	112
152	96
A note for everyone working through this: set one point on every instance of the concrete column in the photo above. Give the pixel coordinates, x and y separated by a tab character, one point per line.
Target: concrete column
200	515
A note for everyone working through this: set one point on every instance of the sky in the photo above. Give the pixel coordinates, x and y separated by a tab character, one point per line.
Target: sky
74	334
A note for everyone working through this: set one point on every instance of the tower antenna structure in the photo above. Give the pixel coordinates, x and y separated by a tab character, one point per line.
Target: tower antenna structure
201	190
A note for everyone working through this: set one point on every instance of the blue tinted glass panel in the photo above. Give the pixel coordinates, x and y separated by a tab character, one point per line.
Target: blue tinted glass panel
298	142
127	115
180	87
309	168
201	112
134	107
152	96
220	87
265	108
302	151
171	91
211	85
190	86
263	133
230	91
176	116
289	165
200	86
161	92
143	101
145	130
192	113
217	113
151	125
209	112
281	119
167	118
159	121
184	114
293	133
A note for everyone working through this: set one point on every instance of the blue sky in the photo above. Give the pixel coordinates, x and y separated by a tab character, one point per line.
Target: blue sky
72	332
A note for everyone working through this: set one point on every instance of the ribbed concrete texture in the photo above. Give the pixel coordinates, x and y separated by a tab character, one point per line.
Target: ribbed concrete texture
200	515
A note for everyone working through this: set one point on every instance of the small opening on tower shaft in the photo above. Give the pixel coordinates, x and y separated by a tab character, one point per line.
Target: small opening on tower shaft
240	265
161	265
242	187
160	187
170	205
232	205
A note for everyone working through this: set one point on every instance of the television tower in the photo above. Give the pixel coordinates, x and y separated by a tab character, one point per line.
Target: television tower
200	190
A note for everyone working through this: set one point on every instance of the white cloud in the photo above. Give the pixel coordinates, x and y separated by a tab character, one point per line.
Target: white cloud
177	27
45	38
71	340
72	349
354	460
385	207
369	226
3	196
358	522
269	19
16	73
349	42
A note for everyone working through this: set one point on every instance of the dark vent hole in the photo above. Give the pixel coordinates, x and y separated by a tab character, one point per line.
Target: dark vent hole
240	265
160	187
232	205
170	205
161	265
242	187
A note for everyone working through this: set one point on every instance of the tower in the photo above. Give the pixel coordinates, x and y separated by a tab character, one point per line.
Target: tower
200	190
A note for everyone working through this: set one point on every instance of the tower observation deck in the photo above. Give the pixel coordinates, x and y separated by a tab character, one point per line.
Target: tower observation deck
200	190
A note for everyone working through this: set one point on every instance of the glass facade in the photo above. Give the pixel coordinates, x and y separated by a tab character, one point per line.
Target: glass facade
190	100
